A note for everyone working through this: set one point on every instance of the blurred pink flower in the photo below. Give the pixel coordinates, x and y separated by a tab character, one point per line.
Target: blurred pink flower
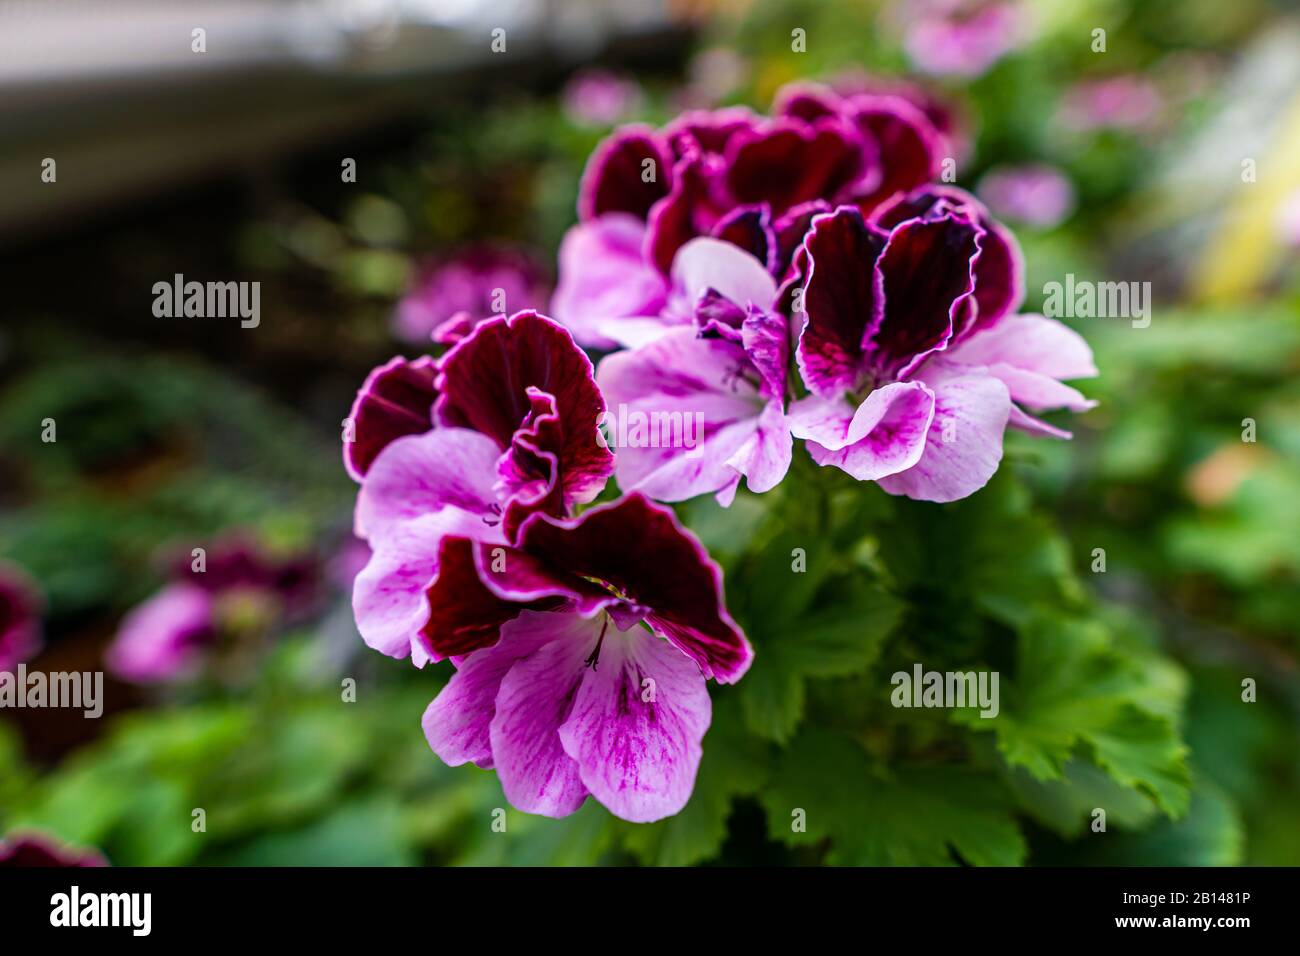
961	37
600	97
450	296
1289	220
1119	102
1037	195
20	607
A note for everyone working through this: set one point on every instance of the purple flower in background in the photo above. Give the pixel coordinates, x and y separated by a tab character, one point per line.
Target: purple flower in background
1126	102
1037	195
172	634
20	609
600	97
961	37
39	850
450	296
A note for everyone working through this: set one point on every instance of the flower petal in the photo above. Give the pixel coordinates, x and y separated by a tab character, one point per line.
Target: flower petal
909	146
641	550
163	638
843	299
750	228
535	698
884	435
637	726
964	445
419	474
615	178
396	399
691	389
388	595
457	721
486	380
788	162
927	270
603	276
1032	343
1000	269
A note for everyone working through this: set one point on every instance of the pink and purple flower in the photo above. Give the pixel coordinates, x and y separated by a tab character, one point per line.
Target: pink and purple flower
582	644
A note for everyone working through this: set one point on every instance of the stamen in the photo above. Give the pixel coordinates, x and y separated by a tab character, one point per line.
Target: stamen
594	659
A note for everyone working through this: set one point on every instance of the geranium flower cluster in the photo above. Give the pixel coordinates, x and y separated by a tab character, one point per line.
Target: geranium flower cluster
770	278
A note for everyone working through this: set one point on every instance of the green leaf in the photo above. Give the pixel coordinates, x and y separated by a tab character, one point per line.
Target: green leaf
843	639
1075	688
919	815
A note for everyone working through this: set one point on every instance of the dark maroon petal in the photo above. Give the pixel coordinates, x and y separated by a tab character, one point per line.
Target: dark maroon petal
790	229
690	210
928	273
716	316
463	614
20	610
479	587
642	552
708	131
999	273
750	228
843	299
615	180
806	101
908	146
790	162
485	384
35	850
396	399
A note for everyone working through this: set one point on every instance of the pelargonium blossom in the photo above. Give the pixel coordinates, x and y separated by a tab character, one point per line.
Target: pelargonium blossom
449	296
729	174
912	353
726	364
19	617
237	586
582	643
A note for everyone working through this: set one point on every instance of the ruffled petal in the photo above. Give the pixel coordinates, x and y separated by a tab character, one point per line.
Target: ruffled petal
396	399
616	178
927	273
843	300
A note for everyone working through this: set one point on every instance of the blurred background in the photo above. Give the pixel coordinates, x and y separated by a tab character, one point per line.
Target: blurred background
1165	156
